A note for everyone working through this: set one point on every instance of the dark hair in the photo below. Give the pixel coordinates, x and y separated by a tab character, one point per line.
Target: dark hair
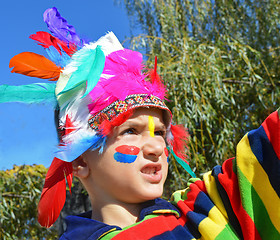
59	129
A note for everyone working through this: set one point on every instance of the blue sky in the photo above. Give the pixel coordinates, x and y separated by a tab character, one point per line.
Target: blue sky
27	132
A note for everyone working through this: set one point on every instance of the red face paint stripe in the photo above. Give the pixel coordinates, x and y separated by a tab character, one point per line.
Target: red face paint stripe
166	152
125	149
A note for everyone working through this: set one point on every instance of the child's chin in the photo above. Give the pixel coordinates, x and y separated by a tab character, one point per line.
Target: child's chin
153	194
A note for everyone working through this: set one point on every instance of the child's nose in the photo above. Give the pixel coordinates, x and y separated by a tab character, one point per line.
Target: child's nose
152	148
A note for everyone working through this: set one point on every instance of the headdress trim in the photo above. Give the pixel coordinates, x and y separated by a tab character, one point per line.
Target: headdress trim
121	106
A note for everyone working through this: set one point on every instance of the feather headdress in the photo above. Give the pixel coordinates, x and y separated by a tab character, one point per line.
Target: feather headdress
98	86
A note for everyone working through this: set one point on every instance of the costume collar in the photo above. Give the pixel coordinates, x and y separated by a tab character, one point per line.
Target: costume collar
158	206
83	227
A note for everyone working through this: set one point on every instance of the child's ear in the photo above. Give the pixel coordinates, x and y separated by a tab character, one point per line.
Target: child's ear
80	167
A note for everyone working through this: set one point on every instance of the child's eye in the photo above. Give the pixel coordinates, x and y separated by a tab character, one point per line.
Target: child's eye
160	133
129	131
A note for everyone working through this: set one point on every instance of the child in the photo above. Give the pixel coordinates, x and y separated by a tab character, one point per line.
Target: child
116	134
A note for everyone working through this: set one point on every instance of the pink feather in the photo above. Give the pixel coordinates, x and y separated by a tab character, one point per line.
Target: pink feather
123	65
120	66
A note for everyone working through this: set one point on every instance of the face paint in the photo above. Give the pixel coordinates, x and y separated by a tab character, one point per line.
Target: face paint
166	153
151	126
126	154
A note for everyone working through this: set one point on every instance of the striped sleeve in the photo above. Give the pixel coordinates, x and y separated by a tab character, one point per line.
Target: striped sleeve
249	184
205	217
240	199
258	169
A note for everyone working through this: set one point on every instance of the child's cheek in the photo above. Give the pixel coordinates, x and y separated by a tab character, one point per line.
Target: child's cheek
126	154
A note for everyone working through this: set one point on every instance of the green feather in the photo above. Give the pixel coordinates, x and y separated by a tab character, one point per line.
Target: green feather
90	64
182	163
32	93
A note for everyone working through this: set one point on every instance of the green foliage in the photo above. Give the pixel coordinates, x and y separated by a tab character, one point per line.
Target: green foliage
219	60
20	190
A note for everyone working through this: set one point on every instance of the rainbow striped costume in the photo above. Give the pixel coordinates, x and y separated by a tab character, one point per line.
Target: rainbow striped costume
238	200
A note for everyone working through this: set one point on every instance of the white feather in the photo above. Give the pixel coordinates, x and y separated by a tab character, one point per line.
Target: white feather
109	43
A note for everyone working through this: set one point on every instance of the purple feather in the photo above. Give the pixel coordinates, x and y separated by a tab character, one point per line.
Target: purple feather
60	28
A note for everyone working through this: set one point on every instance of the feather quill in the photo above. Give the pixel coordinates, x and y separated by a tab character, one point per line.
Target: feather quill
54	192
60	28
89	64
34	65
32	93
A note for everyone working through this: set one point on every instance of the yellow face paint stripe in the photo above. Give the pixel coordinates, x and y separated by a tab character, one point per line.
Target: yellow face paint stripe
151	126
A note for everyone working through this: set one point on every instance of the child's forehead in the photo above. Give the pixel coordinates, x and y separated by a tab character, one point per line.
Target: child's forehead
142	114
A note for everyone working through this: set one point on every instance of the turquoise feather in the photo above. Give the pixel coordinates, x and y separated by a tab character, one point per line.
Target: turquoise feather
90	64
32	93
182	163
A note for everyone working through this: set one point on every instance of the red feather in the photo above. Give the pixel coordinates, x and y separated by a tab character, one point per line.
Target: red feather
180	140
69	126
156	79
46	40
34	65
54	192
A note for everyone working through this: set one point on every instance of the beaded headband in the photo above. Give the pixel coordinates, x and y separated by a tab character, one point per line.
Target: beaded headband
121	106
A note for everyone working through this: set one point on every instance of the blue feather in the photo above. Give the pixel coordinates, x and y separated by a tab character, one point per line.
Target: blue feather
32	93
90	64
59	59
70	151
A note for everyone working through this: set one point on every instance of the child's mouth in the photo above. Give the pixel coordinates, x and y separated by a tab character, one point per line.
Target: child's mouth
149	170
152	172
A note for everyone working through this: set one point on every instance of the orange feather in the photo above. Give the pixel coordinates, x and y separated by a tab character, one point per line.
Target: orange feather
34	65
54	192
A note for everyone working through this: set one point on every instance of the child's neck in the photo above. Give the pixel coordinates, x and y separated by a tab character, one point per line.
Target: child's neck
121	215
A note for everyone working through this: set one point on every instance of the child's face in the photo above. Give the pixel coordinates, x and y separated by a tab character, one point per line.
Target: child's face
133	166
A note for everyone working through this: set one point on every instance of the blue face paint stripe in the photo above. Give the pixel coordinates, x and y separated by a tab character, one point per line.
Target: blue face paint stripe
124	158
